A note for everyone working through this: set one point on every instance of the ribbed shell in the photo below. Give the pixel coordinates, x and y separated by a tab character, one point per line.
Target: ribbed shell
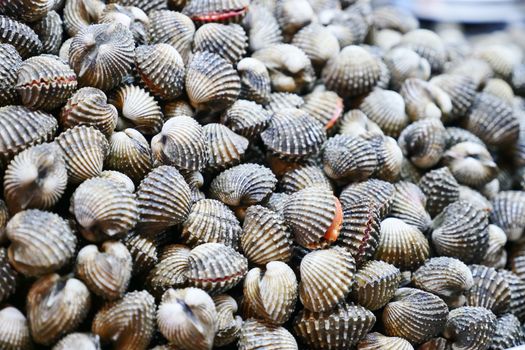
118	178
41	242
225	147
282	100
517	293
471	164
402	245
228	324
50	30
271	295
161	69
211	82
338	329
244	184
404	64
409	205
8	278
143	251
423	142
470	328
379	193
461	90
387	109
228	41
83	341
10	62
170	271
428	45
293	15
173	28
499	88
79	14
104	209
130	17
490	290
492	120
262	27
457	135
377	341
224	11
414	315
394	18
210	221
496	254
215	267
326	278
501	58
325	106
389	157
22	37
164	200
14	330
102	54
56	306
349	28
508	333
145	5
85	149
303	177
246	118
128	323
375	284
106	272
509	213
440	188
424	100
317	42
27	11
255	80
265	237
177	108
257	335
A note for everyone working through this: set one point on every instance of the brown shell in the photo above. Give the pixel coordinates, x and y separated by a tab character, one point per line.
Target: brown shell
126	323
303	177
143	251
84	341
428	45
409	205
66	298
404	64
14	330
78	14
164	200
10	62
177	108
317	42
41	242
50	31
509	213
256	335
377	341
387	109
4	217
22	37
440	188
496	254
255	80
375	284
325	106
8	277
223	11
414	315
378	193
337	329
215	267
210	221
106	272
461	89
228	41
423	142
173	28
225	147
228	324
170	271
470	328
84	149
246	118
101	55
490	290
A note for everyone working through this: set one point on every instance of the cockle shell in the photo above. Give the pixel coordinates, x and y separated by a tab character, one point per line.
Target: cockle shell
63	53
262	27
477	69
394	18
292	15
409	205
508	213
225	147
81	341
187	318
131	17
177	108
211	82
14	330
387	109
317	42
470	328
501	58
215	267
246	118
337	329
282	100
103	209
303	177
428	45
27	11
349	28
147	6
508	333
440	188
143	250
496	255
404	64
377	341
8	277
461	90
84	149
378	193
195	180
228	41
224	11
517	292
402	245
66	298
256	335
424	100
170	271
490	290
470	163
356	123
325	106
375	284
102	54
107	272
41	242
228	325
137	109
78	14
389	157
414	315
457	135
271	295
173	28
161	70
119	178
255	80
10	63
499	88
164	200
210	221
50	30
127	323
22	37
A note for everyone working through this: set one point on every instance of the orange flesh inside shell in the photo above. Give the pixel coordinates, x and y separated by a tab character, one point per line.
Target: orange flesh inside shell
333	231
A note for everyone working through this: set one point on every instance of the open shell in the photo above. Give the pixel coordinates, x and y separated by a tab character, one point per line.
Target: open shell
224	11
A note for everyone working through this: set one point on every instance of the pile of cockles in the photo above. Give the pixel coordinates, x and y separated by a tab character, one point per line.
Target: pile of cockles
264	175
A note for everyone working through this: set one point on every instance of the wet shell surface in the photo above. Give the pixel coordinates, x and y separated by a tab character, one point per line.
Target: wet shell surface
387	109
377	341
21	36
508	332
256	335
170	270
228	324
14	330
228	41
490	290
325	106
409	205
255	80
41	242
423	142
173	28
470	327
246	118
8	276
440	188
225	147
507	213
10	62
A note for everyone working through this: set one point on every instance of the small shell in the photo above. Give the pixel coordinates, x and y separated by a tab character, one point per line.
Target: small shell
131	17
389	157
8	278
173	28
353	72
14	330
461	90
508	333
356	123
103	209
228	41
78	14
10	62
106	272
317	42
325	106
22	37
375	283
49	29
66	298
210	221
387	109
404	64
101	55
84	149
476	69
414	315
490	290
225	147
181	143
177	108
440	188
303	177
161	70
215	267
41	242
265	237
258	335
509	213
282	100
164	200
339	329
63	53
349	28
211	82
246	118
255	80
496	255
187	318
89	106
128	323
289	67
517	293
262	27
143	251
292	15
471	164
470	328
428	45
271	294
377	341
409	205
27	11
394	18
501	58
118	178
380	193
228	325
83	341
457	135
170	271
145	5
492	120
499	88
326	278
195	180
424	100
244	184
224	11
